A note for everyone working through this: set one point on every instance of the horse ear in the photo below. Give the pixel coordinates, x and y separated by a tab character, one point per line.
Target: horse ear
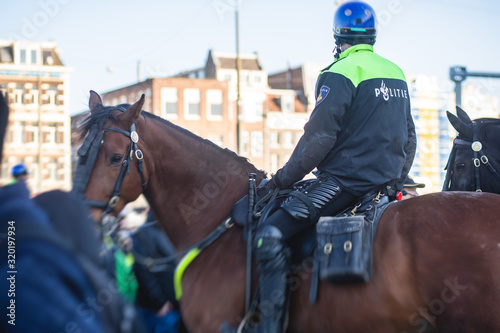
463	116
131	115
459	125
95	101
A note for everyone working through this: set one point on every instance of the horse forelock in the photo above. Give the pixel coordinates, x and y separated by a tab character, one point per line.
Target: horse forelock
99	117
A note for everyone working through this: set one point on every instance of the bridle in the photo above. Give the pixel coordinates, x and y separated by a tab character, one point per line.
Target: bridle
88	156
479	159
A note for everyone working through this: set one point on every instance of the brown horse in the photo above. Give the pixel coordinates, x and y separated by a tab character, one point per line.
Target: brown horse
435	257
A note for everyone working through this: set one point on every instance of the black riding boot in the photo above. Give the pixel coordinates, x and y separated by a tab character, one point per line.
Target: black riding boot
272	260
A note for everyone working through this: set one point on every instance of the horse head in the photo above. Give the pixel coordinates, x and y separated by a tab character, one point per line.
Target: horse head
190	183
475	157
110	171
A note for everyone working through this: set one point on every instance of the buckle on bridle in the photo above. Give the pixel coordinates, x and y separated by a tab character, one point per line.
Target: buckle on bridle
138	154
113	201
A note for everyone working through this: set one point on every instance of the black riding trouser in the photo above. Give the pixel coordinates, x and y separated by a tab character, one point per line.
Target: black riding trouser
290	226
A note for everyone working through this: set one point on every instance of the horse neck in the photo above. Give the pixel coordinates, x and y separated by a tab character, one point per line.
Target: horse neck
193	184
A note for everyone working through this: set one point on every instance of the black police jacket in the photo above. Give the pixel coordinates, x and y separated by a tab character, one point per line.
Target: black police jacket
361	132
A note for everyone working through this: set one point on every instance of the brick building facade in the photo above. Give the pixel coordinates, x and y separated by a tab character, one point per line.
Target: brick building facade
36	84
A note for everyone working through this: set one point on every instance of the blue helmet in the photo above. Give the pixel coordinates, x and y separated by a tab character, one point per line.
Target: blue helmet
354	23
19	170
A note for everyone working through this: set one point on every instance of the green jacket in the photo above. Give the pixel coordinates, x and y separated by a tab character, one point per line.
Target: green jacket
125	277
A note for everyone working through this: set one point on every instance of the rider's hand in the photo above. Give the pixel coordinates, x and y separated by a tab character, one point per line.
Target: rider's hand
272	183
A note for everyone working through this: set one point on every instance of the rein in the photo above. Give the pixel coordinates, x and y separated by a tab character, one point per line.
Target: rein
479	159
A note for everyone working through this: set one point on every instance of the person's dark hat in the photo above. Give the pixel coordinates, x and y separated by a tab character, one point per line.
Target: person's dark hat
409	182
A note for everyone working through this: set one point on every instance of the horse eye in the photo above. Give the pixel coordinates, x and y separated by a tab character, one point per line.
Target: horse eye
116	159
460	166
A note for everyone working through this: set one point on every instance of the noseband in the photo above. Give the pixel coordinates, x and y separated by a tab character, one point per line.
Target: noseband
88	156
479	159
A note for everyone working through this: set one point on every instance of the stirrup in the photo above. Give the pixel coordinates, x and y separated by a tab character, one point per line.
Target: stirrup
242	328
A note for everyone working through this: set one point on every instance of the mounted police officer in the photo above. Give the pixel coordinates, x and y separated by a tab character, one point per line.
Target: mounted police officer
360	137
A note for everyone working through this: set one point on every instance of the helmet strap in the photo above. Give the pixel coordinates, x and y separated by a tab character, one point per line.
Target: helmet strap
337	50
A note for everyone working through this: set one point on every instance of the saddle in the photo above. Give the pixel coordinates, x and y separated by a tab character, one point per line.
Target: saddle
340	246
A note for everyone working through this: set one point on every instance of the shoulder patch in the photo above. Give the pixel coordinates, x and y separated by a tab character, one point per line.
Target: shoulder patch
323	92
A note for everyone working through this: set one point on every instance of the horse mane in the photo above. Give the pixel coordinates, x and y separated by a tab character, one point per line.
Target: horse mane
105	113
487	120
484	125
229	153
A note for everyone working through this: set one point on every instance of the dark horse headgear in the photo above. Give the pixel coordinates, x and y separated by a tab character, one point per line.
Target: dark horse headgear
475	158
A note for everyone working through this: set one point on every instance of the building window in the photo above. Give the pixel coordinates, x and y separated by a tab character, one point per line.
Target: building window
287	104
49	133
275	162
19	95
298	135
52	168
288	139
245	140
227	77
60	134
259	109
33	56
214	103
275	139
19	132
51	94
22	56
217	139
31	134
257	144
169	101
34	95
192	103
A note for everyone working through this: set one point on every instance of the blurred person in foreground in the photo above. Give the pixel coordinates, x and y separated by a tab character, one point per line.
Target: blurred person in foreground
360	137
155	296
54	281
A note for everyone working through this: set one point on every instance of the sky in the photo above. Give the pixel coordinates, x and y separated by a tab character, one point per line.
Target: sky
103	41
